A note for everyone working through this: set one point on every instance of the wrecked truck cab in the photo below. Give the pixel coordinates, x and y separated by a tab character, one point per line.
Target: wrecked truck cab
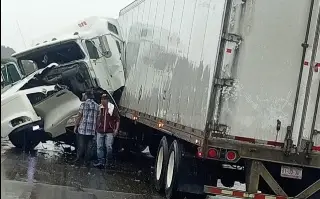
85	55
40	106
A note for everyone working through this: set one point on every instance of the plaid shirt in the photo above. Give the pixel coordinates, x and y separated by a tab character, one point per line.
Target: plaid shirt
90	112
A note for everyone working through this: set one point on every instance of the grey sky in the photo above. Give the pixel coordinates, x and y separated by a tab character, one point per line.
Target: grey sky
38	17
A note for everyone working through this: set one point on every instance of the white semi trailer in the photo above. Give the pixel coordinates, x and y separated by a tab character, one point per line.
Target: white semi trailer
225	89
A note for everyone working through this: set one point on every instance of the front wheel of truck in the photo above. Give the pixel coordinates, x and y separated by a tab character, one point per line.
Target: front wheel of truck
24	140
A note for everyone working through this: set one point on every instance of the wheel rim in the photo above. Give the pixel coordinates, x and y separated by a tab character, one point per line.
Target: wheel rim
170	169
159	163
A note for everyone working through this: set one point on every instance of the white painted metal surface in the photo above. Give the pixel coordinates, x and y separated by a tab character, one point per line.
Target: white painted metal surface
87	28
172	51
267	69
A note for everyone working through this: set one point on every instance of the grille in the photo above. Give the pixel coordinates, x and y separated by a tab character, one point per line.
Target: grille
36	98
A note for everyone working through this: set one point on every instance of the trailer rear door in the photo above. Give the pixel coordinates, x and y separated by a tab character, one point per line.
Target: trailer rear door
311	128
265	66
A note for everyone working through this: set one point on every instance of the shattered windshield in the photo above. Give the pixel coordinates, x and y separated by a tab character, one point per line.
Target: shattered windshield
42	57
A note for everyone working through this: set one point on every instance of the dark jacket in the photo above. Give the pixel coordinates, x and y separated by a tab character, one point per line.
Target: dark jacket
107	122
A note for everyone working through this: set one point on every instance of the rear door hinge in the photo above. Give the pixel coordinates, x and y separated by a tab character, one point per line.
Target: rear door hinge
232	37
224	82
220	128
288	142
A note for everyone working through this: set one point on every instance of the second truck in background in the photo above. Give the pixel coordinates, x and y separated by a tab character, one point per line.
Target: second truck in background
225	90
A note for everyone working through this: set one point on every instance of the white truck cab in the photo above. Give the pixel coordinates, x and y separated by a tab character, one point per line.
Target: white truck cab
85	55
95	40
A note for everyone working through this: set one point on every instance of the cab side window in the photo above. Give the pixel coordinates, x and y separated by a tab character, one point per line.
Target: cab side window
13	73
118	46
92	50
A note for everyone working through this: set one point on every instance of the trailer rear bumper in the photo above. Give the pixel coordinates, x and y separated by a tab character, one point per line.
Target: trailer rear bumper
211	190
264	153
257	170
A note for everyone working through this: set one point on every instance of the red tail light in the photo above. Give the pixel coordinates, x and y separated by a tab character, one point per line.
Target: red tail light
199	153
231	155
212	153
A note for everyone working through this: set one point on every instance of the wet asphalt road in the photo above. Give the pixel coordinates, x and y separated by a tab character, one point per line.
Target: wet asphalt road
47	173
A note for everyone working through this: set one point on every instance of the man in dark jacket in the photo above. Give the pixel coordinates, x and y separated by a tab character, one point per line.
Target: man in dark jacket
108	126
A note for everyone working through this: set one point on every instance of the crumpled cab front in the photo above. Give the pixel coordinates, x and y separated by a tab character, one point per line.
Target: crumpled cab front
43	103
56	110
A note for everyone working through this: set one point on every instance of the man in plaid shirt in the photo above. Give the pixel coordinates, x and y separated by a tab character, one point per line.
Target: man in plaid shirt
86	125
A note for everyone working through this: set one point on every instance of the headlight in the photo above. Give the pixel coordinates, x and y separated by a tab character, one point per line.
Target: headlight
20	120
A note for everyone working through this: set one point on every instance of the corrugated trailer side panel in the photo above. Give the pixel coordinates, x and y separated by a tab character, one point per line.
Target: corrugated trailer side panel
172	48
266	68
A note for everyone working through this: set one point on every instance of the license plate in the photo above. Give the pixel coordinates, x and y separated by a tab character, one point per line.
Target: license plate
291	172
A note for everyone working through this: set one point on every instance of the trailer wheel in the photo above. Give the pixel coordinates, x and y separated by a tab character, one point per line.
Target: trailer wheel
172	174
160	164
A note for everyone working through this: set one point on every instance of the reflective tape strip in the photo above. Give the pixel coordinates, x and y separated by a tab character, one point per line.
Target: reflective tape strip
238	194
317	67
316	148
256	141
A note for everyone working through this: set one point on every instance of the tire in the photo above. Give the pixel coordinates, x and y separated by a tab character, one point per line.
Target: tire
172	174
160	164
24	140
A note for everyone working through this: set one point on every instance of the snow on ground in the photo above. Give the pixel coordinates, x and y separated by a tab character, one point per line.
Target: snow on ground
238	186
52	149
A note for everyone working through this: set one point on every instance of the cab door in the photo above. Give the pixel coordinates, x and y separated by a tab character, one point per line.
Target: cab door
106	63
10	74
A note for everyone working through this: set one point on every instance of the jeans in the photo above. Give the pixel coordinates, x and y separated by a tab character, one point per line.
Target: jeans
84	145
104	140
